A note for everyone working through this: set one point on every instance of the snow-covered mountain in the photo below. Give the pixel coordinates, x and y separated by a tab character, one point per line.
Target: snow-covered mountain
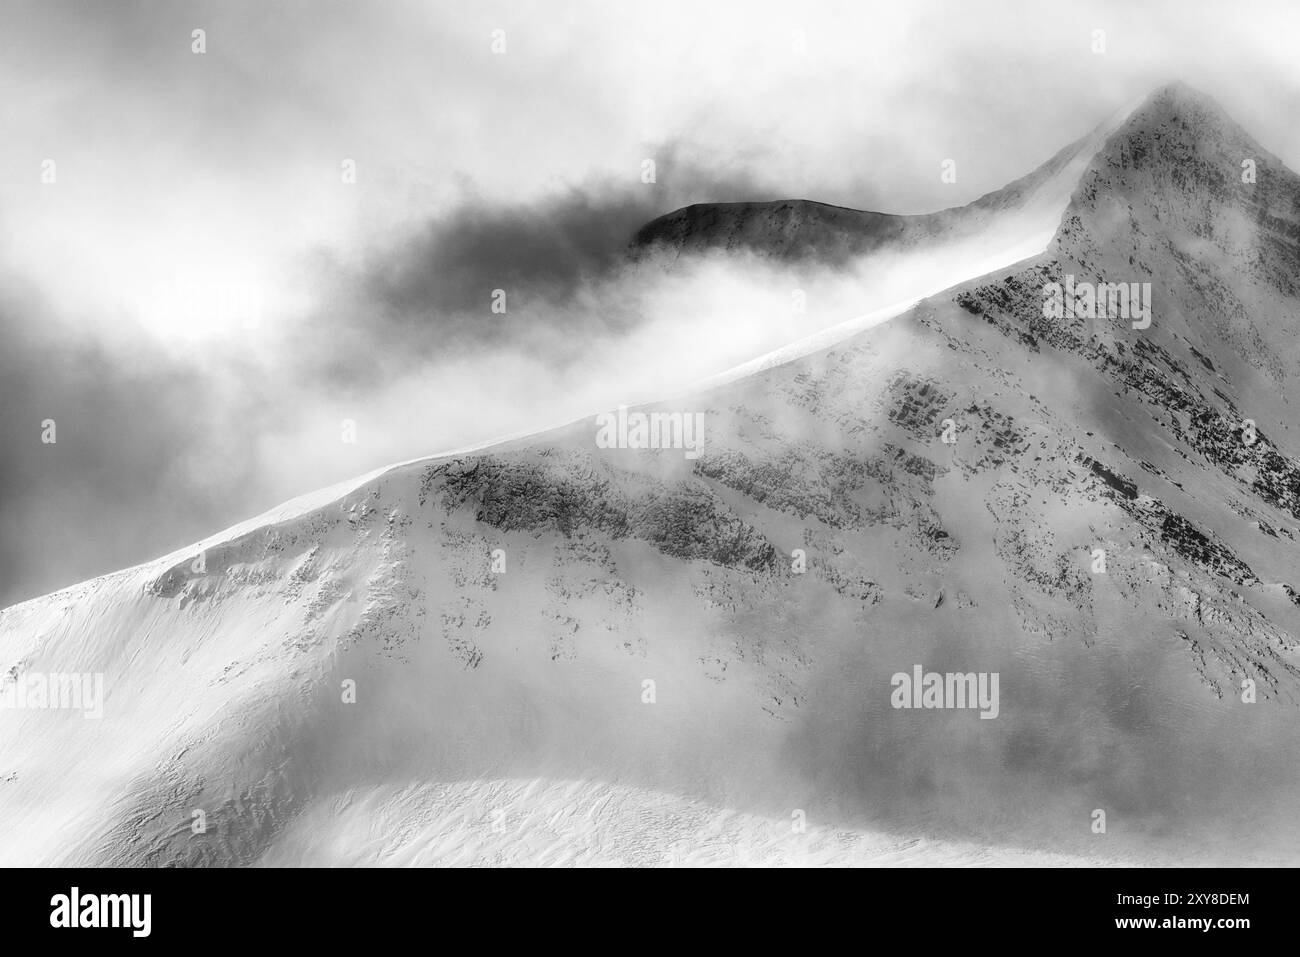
556	651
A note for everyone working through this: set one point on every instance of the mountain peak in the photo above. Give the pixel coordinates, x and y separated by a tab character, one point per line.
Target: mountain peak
1179	92
1182	196
1180	113
1179	141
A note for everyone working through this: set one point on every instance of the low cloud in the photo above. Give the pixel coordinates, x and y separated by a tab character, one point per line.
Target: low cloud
146	449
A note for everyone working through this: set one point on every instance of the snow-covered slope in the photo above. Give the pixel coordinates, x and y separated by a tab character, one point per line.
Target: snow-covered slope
547	651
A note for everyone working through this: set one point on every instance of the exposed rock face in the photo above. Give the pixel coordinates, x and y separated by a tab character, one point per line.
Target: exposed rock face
1078	505
572	495
788	230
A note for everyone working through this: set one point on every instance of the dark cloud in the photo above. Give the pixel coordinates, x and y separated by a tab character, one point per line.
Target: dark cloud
429	293
549	249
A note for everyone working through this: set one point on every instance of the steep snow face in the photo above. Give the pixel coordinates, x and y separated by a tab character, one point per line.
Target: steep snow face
1184	203
1181	188
556	651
